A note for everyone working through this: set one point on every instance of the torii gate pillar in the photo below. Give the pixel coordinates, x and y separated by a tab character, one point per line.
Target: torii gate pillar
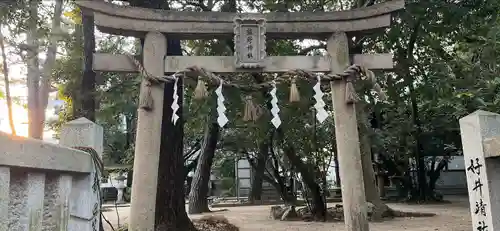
148	140
347	139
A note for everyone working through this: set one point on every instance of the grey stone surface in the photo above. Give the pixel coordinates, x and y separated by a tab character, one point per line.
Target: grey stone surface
84	133
225	64
26	201
35	192
17	201
249	42
347	139
4	197
40	181
147	145
134	21
56	203
182	16
482	170
31	153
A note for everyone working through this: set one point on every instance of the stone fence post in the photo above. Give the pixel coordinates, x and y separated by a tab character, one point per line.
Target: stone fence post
85	196
480	133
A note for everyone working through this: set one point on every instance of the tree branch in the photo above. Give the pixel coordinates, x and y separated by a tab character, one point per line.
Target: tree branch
306	50
199	4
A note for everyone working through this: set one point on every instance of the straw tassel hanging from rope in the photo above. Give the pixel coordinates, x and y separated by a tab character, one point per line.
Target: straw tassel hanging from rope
252	111
146	102
200	92
350	92
370	76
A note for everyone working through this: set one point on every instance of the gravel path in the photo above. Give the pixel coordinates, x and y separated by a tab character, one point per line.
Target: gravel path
450	217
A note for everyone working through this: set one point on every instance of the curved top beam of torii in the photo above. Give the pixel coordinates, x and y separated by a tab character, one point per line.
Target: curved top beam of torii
136	21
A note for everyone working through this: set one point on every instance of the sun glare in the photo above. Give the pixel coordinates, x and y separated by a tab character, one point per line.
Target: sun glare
20	115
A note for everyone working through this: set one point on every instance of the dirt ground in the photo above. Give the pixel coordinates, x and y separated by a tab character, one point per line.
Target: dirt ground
450	217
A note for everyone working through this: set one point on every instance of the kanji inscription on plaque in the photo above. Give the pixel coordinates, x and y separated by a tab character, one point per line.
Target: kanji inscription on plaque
249	42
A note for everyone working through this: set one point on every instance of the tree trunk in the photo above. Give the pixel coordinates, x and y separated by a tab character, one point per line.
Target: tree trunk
318	205
274	178
371	191
199	186
170	204
35	126
39	84
258	173
45	83
434	176
406	63
5	70
279	185
88	83
76	99
337	168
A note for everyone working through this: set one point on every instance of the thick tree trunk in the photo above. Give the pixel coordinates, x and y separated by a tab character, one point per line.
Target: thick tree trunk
434	176
259	169
50	60
5	70
33	76
89	76
371	190
199	186
406	62
257	180
170	204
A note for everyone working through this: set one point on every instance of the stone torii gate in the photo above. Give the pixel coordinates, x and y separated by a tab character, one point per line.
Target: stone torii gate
154	25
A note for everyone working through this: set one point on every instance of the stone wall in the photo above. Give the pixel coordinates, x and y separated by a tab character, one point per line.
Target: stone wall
47	187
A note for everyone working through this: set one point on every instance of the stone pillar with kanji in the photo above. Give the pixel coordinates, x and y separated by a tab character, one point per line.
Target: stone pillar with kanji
480	133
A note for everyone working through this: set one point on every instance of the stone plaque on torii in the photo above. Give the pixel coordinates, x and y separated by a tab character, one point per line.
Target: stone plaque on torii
250	31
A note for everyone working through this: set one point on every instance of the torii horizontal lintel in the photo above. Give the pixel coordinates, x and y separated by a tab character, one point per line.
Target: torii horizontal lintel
136	21
225	64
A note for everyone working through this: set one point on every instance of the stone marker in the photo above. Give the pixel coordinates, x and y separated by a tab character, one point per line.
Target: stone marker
480	133
84	212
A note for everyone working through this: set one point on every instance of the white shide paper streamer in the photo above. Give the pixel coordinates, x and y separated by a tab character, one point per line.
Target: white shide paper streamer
175	103
321	113
221	109
276	121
